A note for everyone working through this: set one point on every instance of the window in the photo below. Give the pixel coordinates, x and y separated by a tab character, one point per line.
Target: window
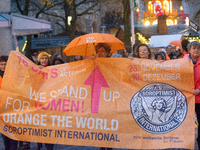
170	6
155	22
175	22
147	23
150	7
170	22
166	6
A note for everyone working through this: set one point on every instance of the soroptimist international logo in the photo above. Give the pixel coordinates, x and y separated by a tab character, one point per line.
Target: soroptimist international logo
159	108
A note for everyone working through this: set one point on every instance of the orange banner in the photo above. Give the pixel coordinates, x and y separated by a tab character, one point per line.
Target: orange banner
109	102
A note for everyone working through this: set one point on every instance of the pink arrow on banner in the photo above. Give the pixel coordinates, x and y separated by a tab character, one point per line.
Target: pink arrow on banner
96	80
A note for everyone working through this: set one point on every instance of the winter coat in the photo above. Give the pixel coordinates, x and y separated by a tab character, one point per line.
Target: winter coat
1	73
196	77
0	81
1	77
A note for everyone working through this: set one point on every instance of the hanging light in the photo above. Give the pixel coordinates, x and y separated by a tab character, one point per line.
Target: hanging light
138	10
164	9
181	8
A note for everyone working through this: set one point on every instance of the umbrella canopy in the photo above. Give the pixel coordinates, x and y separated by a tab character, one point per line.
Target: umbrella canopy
85	45
176	43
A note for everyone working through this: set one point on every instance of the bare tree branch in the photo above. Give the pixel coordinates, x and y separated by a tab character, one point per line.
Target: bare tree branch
60	25
40	10
80	3
18	6
45	8
87	10
54	15
53	6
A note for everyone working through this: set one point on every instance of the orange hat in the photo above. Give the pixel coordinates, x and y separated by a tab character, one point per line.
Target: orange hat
43	54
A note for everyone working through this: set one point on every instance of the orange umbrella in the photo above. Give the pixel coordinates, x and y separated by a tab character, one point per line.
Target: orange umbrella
85	45
176	43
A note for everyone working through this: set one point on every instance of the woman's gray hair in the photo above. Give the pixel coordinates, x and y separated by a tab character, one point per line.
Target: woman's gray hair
193	44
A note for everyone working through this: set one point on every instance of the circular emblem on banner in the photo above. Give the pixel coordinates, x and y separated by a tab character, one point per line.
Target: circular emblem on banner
159	108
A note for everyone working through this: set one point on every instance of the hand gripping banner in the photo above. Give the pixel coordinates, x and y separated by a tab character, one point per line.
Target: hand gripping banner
107	102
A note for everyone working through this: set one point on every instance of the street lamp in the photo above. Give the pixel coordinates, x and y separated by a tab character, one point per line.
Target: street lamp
181	8
103	29
138	10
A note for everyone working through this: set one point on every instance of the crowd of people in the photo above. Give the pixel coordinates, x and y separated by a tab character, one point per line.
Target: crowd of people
186	50
162	53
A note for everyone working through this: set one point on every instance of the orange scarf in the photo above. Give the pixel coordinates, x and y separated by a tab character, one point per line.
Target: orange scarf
184	54
0	81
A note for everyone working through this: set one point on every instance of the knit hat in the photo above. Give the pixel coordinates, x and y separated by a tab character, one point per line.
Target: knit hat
43	54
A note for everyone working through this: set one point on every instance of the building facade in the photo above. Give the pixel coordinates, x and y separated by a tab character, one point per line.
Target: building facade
106	16
6	39
109	14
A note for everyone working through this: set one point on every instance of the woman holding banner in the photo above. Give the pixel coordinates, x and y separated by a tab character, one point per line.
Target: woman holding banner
3	60
102	51
194	55
44	61
9	143
143	51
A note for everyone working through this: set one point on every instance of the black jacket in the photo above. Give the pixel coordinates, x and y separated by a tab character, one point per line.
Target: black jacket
1	73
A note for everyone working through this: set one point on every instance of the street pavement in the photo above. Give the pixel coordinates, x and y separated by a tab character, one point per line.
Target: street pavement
72	147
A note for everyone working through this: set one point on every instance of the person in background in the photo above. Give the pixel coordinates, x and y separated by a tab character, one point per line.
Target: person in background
183	47
164	51
157	50
55	56
57	61
3	61
78	57
9	144
175	57
102	50
118	53
194	55
160	56
178	53
134	49
34	56
126	52
169	52
44	61
143	51
153	56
